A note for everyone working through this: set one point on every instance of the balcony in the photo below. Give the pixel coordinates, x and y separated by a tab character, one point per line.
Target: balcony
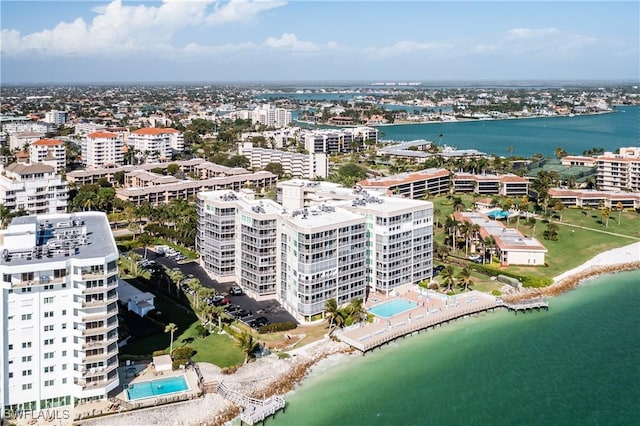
99	330
95	344
92	274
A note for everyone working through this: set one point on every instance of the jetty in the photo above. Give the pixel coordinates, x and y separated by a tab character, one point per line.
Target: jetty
253	410
431	310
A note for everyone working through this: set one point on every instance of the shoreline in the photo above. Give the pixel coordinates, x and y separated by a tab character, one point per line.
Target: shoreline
621	259
271	375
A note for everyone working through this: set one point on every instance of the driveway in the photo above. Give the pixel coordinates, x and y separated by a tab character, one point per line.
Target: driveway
270	309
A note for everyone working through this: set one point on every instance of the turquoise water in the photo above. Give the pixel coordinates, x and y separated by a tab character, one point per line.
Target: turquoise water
577	364
157	387
530	136
498	214
392	307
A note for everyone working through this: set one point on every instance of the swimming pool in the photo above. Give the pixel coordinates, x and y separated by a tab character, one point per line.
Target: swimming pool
157	387
392	307
498	214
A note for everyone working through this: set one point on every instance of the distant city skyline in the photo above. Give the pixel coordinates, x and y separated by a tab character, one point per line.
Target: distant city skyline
277	41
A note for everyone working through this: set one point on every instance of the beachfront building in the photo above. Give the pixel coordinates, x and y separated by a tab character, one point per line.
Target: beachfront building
584	198
308	166
512	247
34	188
619	171
335	141
102	149
321	241
58	311
154	144
49	151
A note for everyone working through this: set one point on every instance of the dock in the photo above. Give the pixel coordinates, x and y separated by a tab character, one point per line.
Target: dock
433	310
253	410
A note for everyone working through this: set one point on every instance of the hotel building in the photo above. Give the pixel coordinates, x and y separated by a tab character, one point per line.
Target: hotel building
36	188
58	308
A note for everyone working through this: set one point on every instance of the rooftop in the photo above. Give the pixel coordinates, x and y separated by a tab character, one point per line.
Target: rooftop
53	237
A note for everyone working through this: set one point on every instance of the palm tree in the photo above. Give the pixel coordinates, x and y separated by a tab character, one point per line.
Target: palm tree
447	276
436	215
331	309
464	277
488	244
605	214
619	207
197	288
171	328
176	276
207	312
247	344
134	258
356	310
510	148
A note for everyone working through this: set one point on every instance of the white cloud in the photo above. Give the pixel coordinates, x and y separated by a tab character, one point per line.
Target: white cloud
122	28
529	33
290	42
403	47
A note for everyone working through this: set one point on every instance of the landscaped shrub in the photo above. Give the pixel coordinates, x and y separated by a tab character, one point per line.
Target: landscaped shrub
278	326
158	353
496	293
184	352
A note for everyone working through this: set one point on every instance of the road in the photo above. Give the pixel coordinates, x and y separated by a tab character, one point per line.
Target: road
270	309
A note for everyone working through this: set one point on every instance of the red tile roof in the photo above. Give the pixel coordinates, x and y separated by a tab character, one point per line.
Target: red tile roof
154	131
108	135
48	142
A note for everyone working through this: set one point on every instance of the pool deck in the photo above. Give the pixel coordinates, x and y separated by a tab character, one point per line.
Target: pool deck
433	309
138	373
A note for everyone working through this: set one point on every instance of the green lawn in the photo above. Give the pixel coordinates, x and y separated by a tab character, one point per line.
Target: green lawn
218	349
574	245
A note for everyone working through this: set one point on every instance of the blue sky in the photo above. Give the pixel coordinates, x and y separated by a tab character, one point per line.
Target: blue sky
262	40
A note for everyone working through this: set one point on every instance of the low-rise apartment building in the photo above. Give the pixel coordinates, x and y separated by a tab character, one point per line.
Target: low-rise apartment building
512	247
619	171
585	198
58	311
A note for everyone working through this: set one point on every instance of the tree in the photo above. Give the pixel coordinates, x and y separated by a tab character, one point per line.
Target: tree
331	309
605	215
356	310
197	287
247	344
5	216
464	278
275	168
447	276
171	328
619	207
510	148
551	233
176	276
145	240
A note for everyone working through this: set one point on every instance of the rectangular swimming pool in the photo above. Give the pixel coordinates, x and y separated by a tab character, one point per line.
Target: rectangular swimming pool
157	387
392	308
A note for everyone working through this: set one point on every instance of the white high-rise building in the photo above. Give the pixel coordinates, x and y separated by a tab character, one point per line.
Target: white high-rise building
58	310
102	149
269	116
34	188
619	171
156	144
49	151
55	117
322	242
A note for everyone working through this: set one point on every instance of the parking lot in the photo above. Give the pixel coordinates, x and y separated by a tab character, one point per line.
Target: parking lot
269	309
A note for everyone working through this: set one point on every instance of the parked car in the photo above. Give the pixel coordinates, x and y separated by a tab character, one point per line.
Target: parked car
475	258
235	290
259	322
241	314
232	308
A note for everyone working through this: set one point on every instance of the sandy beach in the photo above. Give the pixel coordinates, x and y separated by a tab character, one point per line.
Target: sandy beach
625	258
274	376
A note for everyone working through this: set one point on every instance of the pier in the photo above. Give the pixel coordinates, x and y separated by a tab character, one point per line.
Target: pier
253	410
432	310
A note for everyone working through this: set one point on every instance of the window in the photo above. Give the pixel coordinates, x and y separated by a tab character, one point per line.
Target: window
48	314
64	340
64	380
64	353
10	347
26	358
48	341
64	312
64	366
26	345
27	386
47	300
48	382
48	287
10	375
26	372
26	289
48	369
48	355
48	327
64	326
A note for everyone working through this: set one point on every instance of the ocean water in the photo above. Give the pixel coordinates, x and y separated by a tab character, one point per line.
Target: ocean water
529	136
576	364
